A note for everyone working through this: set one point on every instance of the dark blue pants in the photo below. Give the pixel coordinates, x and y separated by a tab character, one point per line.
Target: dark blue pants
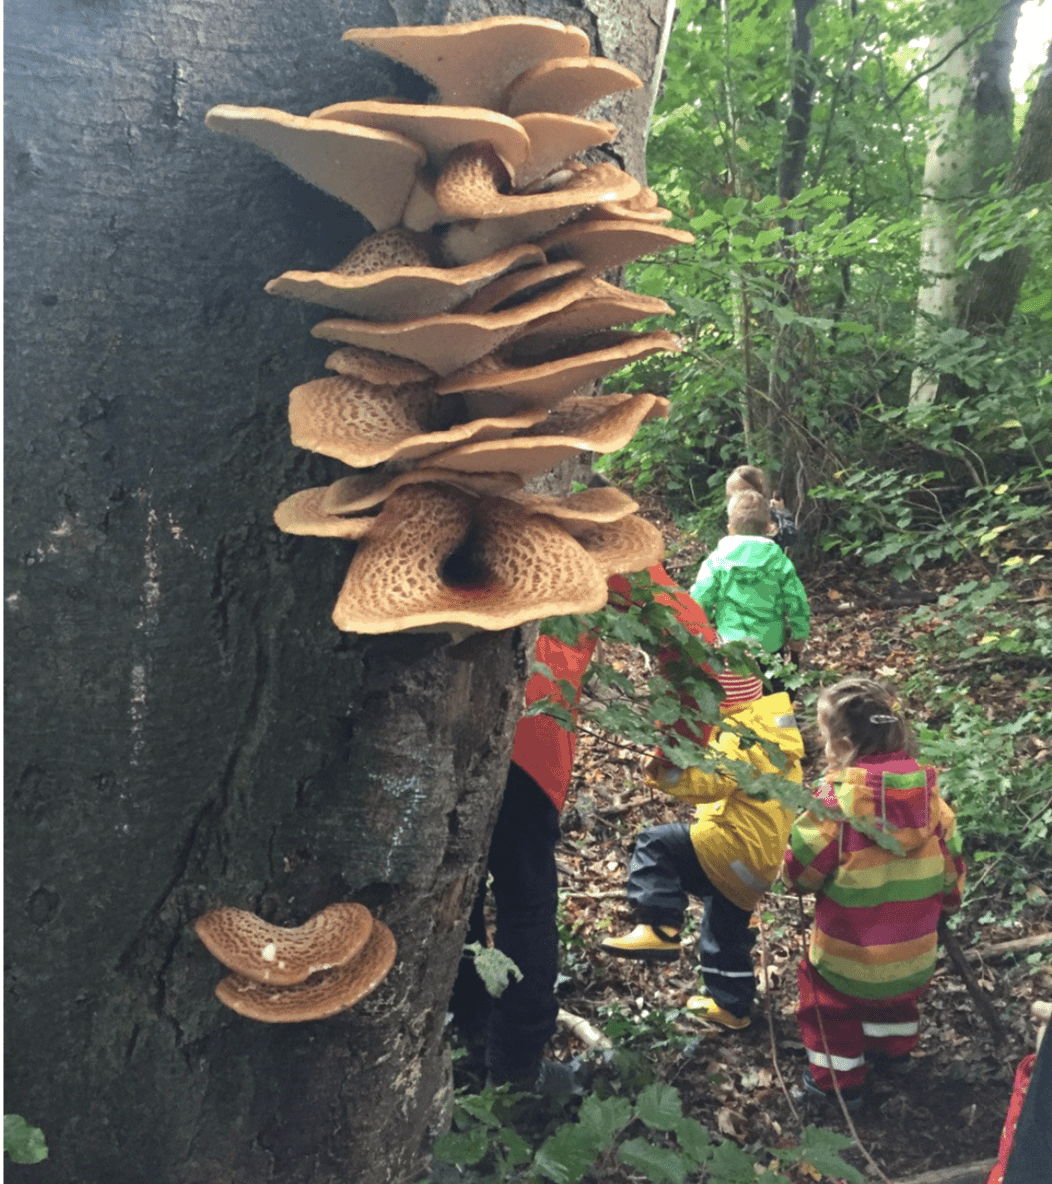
514	1028
664	871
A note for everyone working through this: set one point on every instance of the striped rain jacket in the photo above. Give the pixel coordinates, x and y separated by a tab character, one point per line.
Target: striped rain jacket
876	911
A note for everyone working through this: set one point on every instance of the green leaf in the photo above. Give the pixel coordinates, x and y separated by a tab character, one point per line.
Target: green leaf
519	1151
694	1139
1036	303
731	1165
659	1106
462	1147
494	967
603	1119
820	1149
479	1107
22	1142
659	1164
567	1155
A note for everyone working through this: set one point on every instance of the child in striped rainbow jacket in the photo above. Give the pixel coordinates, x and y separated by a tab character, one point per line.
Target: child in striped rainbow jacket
873	943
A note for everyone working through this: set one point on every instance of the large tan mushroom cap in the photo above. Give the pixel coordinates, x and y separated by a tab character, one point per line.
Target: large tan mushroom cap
567	85
373	171
472	64
518	285
556	138
363	425
385	295
362	491
641	208
467	242
439	557
305	513
269	953
629	544
603	244
376	368
602	307
325	993
578	510
388	249
474	184
549	381
439	130
449	341
587	423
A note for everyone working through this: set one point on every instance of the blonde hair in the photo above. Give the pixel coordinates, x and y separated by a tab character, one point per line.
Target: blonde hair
860	717
749	513
746	478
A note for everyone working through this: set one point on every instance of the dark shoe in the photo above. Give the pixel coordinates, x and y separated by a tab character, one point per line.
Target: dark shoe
651	943
555	1081
901	1066
807	1094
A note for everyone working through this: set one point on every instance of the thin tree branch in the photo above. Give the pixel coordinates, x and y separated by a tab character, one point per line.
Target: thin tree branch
979	996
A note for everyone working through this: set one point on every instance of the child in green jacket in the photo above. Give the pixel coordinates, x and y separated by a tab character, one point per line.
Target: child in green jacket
749	586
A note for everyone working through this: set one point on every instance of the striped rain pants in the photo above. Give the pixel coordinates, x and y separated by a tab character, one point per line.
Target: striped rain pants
839	1030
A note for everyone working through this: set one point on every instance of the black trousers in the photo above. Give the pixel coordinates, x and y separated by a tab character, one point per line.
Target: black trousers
514	1028
663	873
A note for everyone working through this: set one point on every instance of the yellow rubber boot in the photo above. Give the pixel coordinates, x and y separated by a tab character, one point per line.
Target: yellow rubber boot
651	943
704	1007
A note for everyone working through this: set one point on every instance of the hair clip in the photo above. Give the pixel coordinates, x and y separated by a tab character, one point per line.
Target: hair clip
883	719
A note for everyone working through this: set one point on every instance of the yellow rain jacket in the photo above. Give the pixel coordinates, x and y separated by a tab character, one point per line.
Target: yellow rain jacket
740	840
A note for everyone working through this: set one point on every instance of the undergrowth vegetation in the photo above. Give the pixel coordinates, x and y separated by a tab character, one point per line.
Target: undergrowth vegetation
616	1129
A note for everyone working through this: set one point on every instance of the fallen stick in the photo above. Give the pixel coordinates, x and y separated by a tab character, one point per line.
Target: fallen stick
963	1173
960	961
587	1033
1018	945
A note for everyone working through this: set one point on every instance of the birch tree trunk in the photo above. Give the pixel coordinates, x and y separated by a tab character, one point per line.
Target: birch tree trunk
186	728
970	102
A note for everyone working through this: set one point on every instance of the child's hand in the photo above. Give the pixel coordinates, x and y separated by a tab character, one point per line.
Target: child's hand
658	769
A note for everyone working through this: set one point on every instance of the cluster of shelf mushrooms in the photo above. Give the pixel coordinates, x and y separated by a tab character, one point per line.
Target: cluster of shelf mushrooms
469	328
282	975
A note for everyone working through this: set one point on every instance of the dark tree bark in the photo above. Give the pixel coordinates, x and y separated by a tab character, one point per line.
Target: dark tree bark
798	123
186	728
991	290
784	441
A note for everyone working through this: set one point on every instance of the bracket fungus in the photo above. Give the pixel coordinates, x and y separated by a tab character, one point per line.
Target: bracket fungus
475	62
382	293
472	328
315	970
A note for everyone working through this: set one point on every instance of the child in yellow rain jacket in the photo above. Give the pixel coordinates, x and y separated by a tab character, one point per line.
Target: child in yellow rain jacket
728	857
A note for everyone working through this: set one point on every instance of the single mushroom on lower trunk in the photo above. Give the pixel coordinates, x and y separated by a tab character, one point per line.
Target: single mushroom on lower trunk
307	972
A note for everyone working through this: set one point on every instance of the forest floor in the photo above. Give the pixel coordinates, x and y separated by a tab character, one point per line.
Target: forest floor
950	1110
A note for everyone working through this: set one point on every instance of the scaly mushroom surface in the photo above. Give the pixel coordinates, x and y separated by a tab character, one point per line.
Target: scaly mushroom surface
281	956
323	994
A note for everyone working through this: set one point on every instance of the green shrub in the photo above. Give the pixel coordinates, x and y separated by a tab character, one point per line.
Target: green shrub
646	1133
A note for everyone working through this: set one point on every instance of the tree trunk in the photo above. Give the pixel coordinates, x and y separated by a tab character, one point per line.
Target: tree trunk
186	728
991	289
783	437
971	103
